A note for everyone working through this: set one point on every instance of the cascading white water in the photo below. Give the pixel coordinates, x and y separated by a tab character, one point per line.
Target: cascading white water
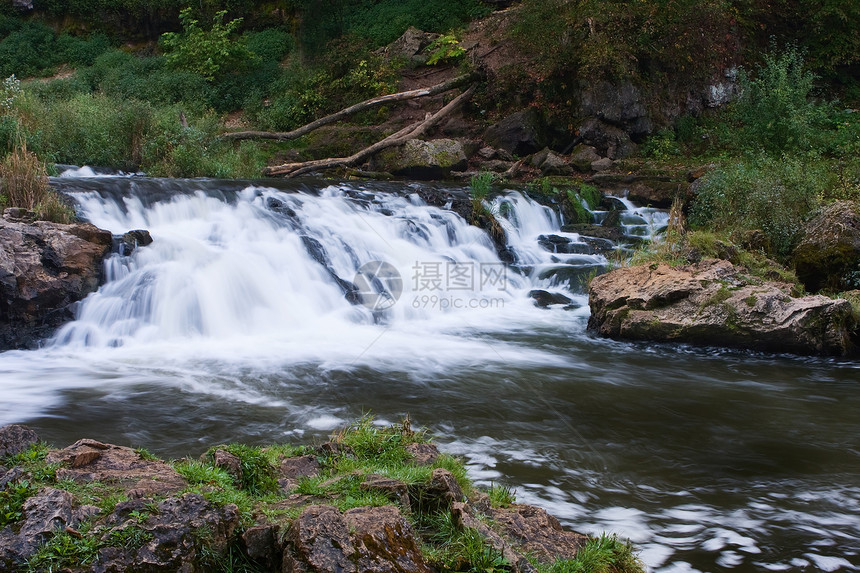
269	263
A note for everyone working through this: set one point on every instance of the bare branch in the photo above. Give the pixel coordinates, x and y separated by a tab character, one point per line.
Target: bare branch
410	132
367	104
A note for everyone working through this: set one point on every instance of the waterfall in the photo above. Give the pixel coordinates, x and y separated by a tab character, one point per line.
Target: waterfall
262	262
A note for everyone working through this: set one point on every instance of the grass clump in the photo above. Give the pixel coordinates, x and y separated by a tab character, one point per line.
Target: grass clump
604	554
24	183
501	495
65	550
259	475
12	499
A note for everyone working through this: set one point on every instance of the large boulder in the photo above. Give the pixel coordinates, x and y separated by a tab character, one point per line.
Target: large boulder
322	539
621	105
14	439
45	268
419	159
410	47
715	303
521	133
828	256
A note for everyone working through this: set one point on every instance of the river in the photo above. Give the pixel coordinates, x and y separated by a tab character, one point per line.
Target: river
268	312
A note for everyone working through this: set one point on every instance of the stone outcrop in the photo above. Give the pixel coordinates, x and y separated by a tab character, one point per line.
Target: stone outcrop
45	268
322	539
157	525
418	159
715	303
521	133
828	256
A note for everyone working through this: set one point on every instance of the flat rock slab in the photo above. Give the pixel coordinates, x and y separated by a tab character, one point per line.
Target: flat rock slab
715	303
90	461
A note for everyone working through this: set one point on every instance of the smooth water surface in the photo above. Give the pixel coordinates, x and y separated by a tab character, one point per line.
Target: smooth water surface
236	324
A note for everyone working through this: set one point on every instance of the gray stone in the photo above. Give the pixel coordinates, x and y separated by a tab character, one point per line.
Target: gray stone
419	159
15	438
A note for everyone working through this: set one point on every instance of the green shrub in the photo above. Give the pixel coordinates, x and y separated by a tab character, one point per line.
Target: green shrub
270	45
774	110
28	51
774	195
205	52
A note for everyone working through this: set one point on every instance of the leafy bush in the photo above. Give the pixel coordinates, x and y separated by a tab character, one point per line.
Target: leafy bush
28	51
205	52
774	110
774	195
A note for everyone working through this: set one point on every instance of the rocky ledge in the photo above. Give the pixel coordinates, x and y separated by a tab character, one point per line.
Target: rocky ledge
372	499
716	303
45	268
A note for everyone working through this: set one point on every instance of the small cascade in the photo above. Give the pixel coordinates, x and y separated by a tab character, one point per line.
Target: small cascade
638	223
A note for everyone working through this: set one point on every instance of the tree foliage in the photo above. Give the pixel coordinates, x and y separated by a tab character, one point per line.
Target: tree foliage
207	53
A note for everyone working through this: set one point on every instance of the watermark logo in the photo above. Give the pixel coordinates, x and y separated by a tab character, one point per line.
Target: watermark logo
437	285
379	285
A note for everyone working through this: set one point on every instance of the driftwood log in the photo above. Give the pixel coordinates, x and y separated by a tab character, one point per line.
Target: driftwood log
398	138
346	112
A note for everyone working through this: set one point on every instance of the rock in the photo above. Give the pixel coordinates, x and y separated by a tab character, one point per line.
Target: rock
544	299
384	541
535	532
609	140
656	193
521	133
713	303
14	439
318	541
378	539
602	164
419	159
43	514
127	243
176	534
554	164
45	268
828	256
583	156
487	153
229	463
440	492
302	466
23	5
422	454
410	47
393	489
618	105
93	461
263	546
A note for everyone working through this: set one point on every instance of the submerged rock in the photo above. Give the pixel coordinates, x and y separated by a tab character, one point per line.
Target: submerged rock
45	268
715	303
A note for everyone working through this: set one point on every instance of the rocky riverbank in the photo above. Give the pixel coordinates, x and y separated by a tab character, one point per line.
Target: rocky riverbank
45	269
371	499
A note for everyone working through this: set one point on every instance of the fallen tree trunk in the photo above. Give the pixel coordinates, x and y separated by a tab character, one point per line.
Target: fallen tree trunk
410	132
367	104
